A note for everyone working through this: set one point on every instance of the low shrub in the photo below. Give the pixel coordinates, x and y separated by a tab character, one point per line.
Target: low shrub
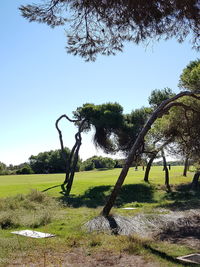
32	210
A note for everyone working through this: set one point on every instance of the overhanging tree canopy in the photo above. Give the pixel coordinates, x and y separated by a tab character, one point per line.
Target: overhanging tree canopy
102	26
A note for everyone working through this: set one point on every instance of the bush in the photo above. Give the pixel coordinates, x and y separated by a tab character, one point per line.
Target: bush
87	165
25	170
98	163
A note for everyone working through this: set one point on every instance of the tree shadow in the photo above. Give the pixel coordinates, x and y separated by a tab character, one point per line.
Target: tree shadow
49	188
98	195
135	193
167	257
92	198
184	198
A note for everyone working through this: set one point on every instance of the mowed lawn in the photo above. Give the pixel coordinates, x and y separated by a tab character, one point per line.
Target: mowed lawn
22	184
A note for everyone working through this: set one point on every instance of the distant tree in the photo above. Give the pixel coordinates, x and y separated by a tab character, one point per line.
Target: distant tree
119	163
3	168
25	170
87	165
130	129
102	27
49	162
96	162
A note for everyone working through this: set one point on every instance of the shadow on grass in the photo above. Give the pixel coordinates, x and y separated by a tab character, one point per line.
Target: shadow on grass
167	257
97	196
49	188
183	197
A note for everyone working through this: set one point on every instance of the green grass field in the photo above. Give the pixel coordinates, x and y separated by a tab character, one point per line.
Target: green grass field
90	189
20	184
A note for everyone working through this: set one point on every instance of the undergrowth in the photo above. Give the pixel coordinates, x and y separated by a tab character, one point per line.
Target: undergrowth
32	210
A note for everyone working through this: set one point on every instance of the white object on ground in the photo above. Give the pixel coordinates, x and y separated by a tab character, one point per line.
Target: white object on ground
191	258
33	234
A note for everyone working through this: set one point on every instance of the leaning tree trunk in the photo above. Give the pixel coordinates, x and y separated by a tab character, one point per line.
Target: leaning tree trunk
148	168
195	181
186	163
163	108
166	171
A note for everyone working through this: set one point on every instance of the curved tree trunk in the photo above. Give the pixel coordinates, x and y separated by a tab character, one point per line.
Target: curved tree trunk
186	163
163	108
166	171
71	163
73	168
148	168
195	181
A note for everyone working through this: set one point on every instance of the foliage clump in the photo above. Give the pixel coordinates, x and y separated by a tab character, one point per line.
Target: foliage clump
106	120
190	77
98	163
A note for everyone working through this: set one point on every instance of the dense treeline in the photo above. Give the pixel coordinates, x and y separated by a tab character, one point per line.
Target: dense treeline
98	163
53	162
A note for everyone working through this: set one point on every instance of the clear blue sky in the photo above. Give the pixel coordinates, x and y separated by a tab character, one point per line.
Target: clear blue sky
40	81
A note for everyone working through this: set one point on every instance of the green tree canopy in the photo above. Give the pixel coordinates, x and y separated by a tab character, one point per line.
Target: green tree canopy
106	119
158	96
98	163
132	125
103	26
3	168
190	77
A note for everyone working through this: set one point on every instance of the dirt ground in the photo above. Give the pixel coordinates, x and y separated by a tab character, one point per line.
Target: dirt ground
79	258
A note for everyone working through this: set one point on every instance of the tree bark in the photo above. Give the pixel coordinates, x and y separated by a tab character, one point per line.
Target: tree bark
195	181
148	168
185	167
166	171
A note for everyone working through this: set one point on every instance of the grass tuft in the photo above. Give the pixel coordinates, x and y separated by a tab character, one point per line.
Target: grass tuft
33	210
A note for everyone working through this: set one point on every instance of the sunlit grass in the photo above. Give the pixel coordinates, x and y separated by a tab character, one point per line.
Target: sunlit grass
11	185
